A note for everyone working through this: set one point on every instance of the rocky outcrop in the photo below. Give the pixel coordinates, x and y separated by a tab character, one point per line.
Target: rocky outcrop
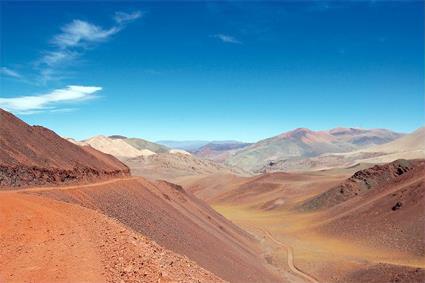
376	178
26	176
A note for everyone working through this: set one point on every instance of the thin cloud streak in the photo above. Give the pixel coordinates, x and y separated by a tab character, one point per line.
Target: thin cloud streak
10	73
49	101
79	33
227	38
121	17
74	39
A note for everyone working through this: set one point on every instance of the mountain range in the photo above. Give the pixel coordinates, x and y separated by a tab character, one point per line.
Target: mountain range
298	150
120	227
410	146
102	206
305	143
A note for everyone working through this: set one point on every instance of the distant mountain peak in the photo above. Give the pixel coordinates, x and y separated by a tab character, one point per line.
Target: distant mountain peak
306	143
298	132
117	137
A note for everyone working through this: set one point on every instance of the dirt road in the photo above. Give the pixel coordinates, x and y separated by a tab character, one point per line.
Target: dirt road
96	184
291	264
43	240
290	258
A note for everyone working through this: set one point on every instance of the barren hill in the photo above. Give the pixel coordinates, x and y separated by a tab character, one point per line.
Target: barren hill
142	144
176	220
219	151
410	146
305	143
381	206
169	166
364	225
116	147
34	155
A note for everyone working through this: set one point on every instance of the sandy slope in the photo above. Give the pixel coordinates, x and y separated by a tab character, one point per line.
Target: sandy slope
179	151
116	147
176	220
170	166
392	199
142	144
42	240
374	233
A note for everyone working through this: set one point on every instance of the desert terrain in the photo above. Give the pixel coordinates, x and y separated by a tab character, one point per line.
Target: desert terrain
65	206
117	209
276	141
43	240
333	226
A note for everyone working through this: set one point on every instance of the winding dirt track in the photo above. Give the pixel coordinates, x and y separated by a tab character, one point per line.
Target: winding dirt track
290	252
78	186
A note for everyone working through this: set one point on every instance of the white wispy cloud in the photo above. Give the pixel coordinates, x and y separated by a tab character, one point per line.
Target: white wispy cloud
58	57
74	39
9	72
79	33
121	17
48	101
227	38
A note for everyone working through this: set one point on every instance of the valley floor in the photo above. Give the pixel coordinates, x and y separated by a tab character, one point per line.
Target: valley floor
316	258
363	239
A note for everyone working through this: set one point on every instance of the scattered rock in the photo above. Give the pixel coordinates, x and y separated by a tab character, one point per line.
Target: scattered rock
397	206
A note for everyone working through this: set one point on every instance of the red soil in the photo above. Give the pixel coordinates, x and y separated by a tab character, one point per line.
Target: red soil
33	155
368	181
42	240
389	213
176	220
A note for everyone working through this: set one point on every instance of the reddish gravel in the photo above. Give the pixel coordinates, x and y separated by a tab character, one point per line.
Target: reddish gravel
178	221
43	240
379	273
368	181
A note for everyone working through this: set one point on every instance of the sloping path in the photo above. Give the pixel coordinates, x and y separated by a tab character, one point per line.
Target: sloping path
290	255
43	240
290	252
79	186
40	243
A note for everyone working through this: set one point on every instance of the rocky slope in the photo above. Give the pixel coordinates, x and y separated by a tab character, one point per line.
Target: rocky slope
351	225
170	166
410	146
367	181
219	151
305	143
42	240
176	220
383	206
34	155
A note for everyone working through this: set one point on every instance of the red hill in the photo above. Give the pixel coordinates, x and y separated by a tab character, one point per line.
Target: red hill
34	155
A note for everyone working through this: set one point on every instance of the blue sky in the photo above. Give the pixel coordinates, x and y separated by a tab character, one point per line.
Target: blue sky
212	70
